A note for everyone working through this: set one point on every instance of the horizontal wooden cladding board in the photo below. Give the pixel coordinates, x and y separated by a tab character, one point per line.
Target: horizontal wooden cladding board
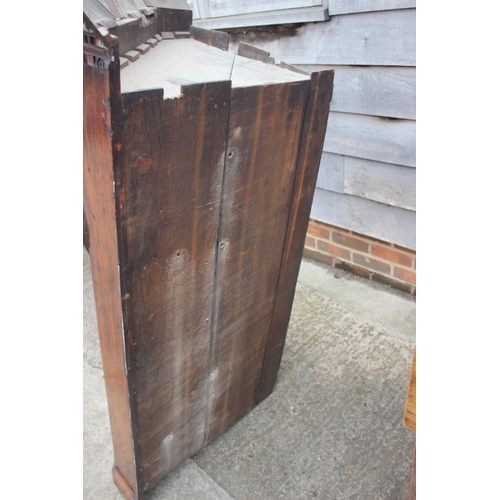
391	224
263	139
336	7
170	195
383	38
372	138
383	182
373	90
331	172
218	8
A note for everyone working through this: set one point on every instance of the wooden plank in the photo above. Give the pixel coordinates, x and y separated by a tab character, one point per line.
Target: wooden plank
384	38
372	138
132	33
174	19
276	17
173	167
251	52
313	134
383	182
86	240
410	416
219	8
101	134
264	135
378	91
331	172
336	7
391	224
213	38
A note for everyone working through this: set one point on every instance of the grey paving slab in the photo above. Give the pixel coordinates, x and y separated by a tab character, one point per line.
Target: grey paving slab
332	428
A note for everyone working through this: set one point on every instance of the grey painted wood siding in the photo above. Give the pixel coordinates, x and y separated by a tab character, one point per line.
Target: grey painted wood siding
384	38
367	176
220	8
384	222
331	172
372	138
393	185
337	7
390	184
374	90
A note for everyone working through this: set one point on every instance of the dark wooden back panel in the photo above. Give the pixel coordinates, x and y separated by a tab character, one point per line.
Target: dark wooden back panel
170	199
101	83
311	146
264	134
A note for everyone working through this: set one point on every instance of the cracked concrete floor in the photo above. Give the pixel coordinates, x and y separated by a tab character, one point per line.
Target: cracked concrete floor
331	430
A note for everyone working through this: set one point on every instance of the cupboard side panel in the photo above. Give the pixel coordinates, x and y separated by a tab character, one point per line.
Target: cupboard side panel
172	177
311	145
263	137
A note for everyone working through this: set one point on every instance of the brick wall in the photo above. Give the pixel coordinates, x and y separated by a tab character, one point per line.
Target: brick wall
361	255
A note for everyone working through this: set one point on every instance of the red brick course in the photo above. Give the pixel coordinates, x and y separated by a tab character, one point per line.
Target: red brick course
405	275
362	255
392	255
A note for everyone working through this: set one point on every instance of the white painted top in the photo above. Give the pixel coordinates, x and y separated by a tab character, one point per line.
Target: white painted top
185	61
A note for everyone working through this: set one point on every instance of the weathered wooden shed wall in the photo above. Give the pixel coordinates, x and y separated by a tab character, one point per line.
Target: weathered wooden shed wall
367	177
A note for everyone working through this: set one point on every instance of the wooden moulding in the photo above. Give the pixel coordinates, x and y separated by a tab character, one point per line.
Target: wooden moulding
101	132
197	209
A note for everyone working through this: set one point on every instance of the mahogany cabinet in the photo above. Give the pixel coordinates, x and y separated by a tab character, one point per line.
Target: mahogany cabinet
199	171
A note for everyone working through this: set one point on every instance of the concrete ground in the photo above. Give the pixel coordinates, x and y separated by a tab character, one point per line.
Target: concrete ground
331	430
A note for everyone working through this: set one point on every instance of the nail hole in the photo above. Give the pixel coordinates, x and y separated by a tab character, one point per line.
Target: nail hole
143	164
230	155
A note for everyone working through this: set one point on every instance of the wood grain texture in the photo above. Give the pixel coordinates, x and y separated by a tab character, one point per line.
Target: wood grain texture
383	38
270	18
86	240
331	172
386	223
259	174
410	417
170	199
372	138
251	52
100	136
393	185
336	7
377	91
218	8
135	32
122	485
311	145
212	38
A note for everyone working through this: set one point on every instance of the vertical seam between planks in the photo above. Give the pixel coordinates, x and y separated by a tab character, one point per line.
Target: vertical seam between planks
215	302
251	170
194	247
